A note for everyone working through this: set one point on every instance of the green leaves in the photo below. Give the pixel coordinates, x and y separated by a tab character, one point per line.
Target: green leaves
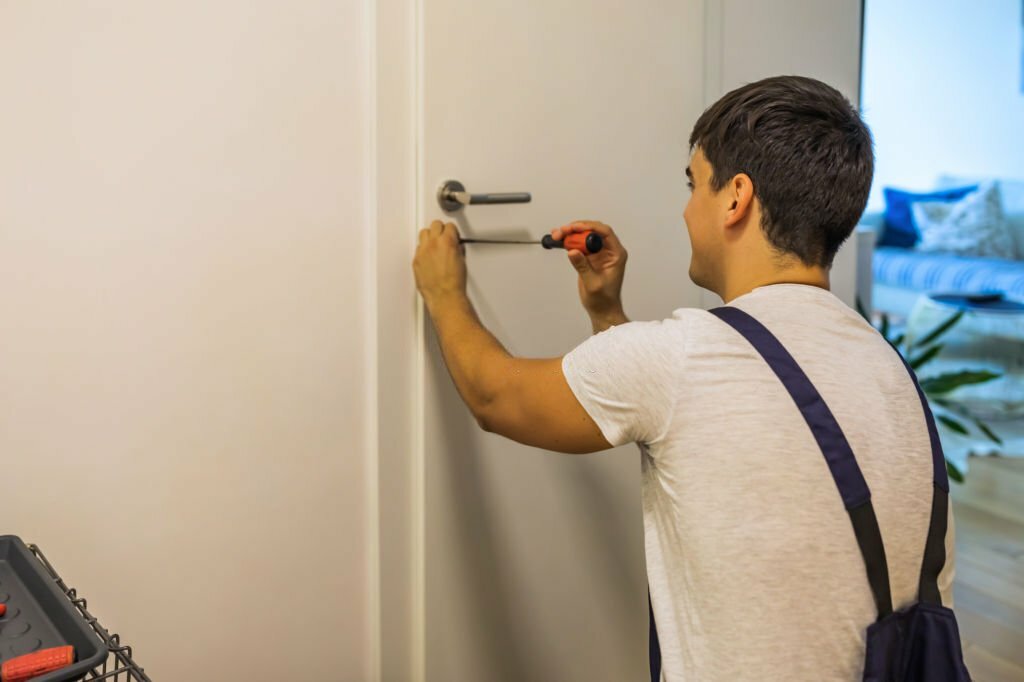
983	427
860	308
919	353
924	357
964	412
954	473
952	424
944	383
938	331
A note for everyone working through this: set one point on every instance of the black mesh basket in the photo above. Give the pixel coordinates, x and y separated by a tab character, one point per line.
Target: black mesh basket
118	666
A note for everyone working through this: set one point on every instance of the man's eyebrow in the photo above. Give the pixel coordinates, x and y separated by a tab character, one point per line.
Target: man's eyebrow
689	173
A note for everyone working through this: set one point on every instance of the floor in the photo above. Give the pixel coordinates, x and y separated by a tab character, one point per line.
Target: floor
988	592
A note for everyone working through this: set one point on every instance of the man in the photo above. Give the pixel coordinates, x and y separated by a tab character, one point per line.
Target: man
754	571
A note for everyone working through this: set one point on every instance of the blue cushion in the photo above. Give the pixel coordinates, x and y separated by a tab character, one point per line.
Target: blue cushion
899	220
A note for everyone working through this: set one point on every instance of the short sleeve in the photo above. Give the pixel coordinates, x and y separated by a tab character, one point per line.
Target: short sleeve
625	378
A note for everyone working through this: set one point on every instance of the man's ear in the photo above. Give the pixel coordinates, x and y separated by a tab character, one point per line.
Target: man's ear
740	199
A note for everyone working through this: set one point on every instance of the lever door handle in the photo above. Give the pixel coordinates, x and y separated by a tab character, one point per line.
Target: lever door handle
452	196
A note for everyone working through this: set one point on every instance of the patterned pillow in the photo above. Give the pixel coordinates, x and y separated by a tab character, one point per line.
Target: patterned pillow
972	226
898	222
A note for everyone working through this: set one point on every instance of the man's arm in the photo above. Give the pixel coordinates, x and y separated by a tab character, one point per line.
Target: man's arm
604	321
470	350
526	400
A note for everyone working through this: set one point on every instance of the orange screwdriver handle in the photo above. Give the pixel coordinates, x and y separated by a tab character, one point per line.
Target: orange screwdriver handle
37	663
587	241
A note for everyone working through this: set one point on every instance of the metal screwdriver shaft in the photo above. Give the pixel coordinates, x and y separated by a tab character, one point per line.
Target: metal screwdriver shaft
492	241
587	241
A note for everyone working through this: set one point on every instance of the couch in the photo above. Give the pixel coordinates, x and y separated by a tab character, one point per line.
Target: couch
899	275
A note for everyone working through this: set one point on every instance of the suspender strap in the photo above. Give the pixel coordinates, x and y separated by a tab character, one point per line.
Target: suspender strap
833	444
935	546
653	646
837	452
934	550
938	459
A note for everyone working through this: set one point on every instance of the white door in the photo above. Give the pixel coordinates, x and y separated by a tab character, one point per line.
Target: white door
534	566
530	563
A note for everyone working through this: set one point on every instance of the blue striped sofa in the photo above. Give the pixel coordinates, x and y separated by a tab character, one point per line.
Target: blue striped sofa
901	275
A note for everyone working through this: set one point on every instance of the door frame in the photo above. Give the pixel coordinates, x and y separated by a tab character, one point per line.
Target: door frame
397	342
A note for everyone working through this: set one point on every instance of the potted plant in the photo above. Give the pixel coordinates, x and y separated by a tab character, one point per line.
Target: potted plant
938	387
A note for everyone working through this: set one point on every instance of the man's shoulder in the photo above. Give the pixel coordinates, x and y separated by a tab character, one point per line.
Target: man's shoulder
697	323
686	321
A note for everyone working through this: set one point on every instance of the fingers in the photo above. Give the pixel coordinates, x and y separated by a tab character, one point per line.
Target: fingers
580	263
583	225
440	229
606	232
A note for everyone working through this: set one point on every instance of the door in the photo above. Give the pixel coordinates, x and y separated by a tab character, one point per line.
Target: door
533	560
530	563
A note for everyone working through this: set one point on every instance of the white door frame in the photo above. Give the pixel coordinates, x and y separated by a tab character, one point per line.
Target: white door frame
396	584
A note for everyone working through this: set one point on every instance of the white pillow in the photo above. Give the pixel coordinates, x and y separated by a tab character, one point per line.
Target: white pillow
972	226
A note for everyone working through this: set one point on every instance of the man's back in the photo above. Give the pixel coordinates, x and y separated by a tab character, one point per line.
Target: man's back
754	570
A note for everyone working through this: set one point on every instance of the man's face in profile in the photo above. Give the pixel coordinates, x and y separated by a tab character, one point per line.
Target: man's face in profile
702	223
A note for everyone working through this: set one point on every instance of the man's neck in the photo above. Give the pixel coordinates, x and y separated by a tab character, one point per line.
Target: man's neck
744	284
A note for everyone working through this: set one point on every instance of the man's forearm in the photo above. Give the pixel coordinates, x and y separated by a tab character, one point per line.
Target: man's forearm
600	322
470	351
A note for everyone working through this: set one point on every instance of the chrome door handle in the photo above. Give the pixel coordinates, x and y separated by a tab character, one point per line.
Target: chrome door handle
452	196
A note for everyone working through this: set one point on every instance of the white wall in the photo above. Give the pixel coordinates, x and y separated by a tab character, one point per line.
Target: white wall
199	307
942	90
183	324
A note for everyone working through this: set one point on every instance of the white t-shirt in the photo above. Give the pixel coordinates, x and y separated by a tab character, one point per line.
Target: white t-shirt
753	566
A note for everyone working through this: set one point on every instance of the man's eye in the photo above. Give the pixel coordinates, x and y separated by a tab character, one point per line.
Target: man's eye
690	185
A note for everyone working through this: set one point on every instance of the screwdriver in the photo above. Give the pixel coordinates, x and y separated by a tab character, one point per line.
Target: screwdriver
587	241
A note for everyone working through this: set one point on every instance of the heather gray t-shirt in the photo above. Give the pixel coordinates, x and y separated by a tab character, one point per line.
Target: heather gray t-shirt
753	566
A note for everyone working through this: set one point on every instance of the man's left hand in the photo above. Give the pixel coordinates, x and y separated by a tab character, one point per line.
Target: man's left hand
440	262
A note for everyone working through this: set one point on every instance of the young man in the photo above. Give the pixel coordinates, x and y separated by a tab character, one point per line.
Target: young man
754	570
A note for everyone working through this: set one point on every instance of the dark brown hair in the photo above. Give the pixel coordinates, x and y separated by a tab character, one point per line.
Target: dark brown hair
808	153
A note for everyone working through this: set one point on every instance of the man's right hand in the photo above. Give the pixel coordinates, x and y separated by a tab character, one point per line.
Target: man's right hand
600	274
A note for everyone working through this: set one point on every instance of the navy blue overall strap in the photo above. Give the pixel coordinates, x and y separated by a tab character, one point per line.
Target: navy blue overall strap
826	431
939	475
935	547
653	646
